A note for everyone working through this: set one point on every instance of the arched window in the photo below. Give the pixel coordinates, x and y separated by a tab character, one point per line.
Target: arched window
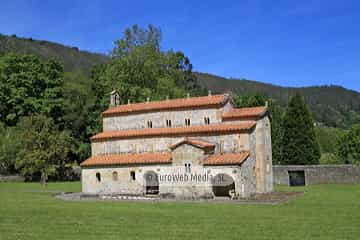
168	123
149	124
187	121
98	177
132	175
188	167
207	120
115	176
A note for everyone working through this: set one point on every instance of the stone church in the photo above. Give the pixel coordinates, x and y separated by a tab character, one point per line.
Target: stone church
188	148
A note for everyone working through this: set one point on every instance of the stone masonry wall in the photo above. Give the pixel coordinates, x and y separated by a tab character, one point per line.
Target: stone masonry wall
158	119
319	174
138	121
11	178
124	184
224	143
263	156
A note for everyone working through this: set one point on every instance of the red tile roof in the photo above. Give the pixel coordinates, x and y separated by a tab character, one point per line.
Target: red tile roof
227	158
197	143
181	103
238	113
160	158
128	158
176	131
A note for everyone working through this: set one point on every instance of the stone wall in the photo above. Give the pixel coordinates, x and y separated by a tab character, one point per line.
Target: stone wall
158	119
11	178
124	184
263	156
319	174
223	143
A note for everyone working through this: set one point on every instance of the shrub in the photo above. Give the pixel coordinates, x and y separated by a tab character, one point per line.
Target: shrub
330	158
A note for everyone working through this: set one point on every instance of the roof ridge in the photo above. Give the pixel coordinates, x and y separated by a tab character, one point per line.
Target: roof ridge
187	102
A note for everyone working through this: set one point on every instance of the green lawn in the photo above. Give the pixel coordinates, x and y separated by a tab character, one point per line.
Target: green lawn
29	211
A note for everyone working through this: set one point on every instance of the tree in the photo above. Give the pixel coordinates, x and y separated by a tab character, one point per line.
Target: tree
44	149
299	143
349	146
276	114
80	110
9	147
249	100
330	158
136	37
140	69
328	138
29	85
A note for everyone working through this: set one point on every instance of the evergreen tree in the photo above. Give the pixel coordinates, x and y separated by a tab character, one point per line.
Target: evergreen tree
276	113
299	143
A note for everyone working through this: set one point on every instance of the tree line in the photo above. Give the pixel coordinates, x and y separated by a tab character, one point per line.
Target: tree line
297	140
47	115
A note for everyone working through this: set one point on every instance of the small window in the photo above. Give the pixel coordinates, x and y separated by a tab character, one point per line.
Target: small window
115	176
207	120
187	121
98	177
132	175
149	124
168	123
187	167
221	146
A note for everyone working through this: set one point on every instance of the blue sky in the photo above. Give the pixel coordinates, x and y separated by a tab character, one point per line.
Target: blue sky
284	42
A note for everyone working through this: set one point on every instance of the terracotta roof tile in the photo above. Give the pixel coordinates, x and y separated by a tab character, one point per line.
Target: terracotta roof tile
128	158
181	103
227	158
194	142
238	113
176	131
160	158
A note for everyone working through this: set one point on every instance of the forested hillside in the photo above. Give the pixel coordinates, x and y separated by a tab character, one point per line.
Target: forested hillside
71	57
332	106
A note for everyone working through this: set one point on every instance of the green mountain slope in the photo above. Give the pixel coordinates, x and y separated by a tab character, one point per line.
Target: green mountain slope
71	57
331	105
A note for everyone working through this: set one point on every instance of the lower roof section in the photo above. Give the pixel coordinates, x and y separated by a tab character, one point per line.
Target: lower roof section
160	158
175	131
128	159
197	143
227	158
245	113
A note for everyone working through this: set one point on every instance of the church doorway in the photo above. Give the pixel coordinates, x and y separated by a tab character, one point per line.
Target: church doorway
222	185
151	183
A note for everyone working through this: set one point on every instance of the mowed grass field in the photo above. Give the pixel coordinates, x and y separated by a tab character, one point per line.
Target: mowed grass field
29	211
